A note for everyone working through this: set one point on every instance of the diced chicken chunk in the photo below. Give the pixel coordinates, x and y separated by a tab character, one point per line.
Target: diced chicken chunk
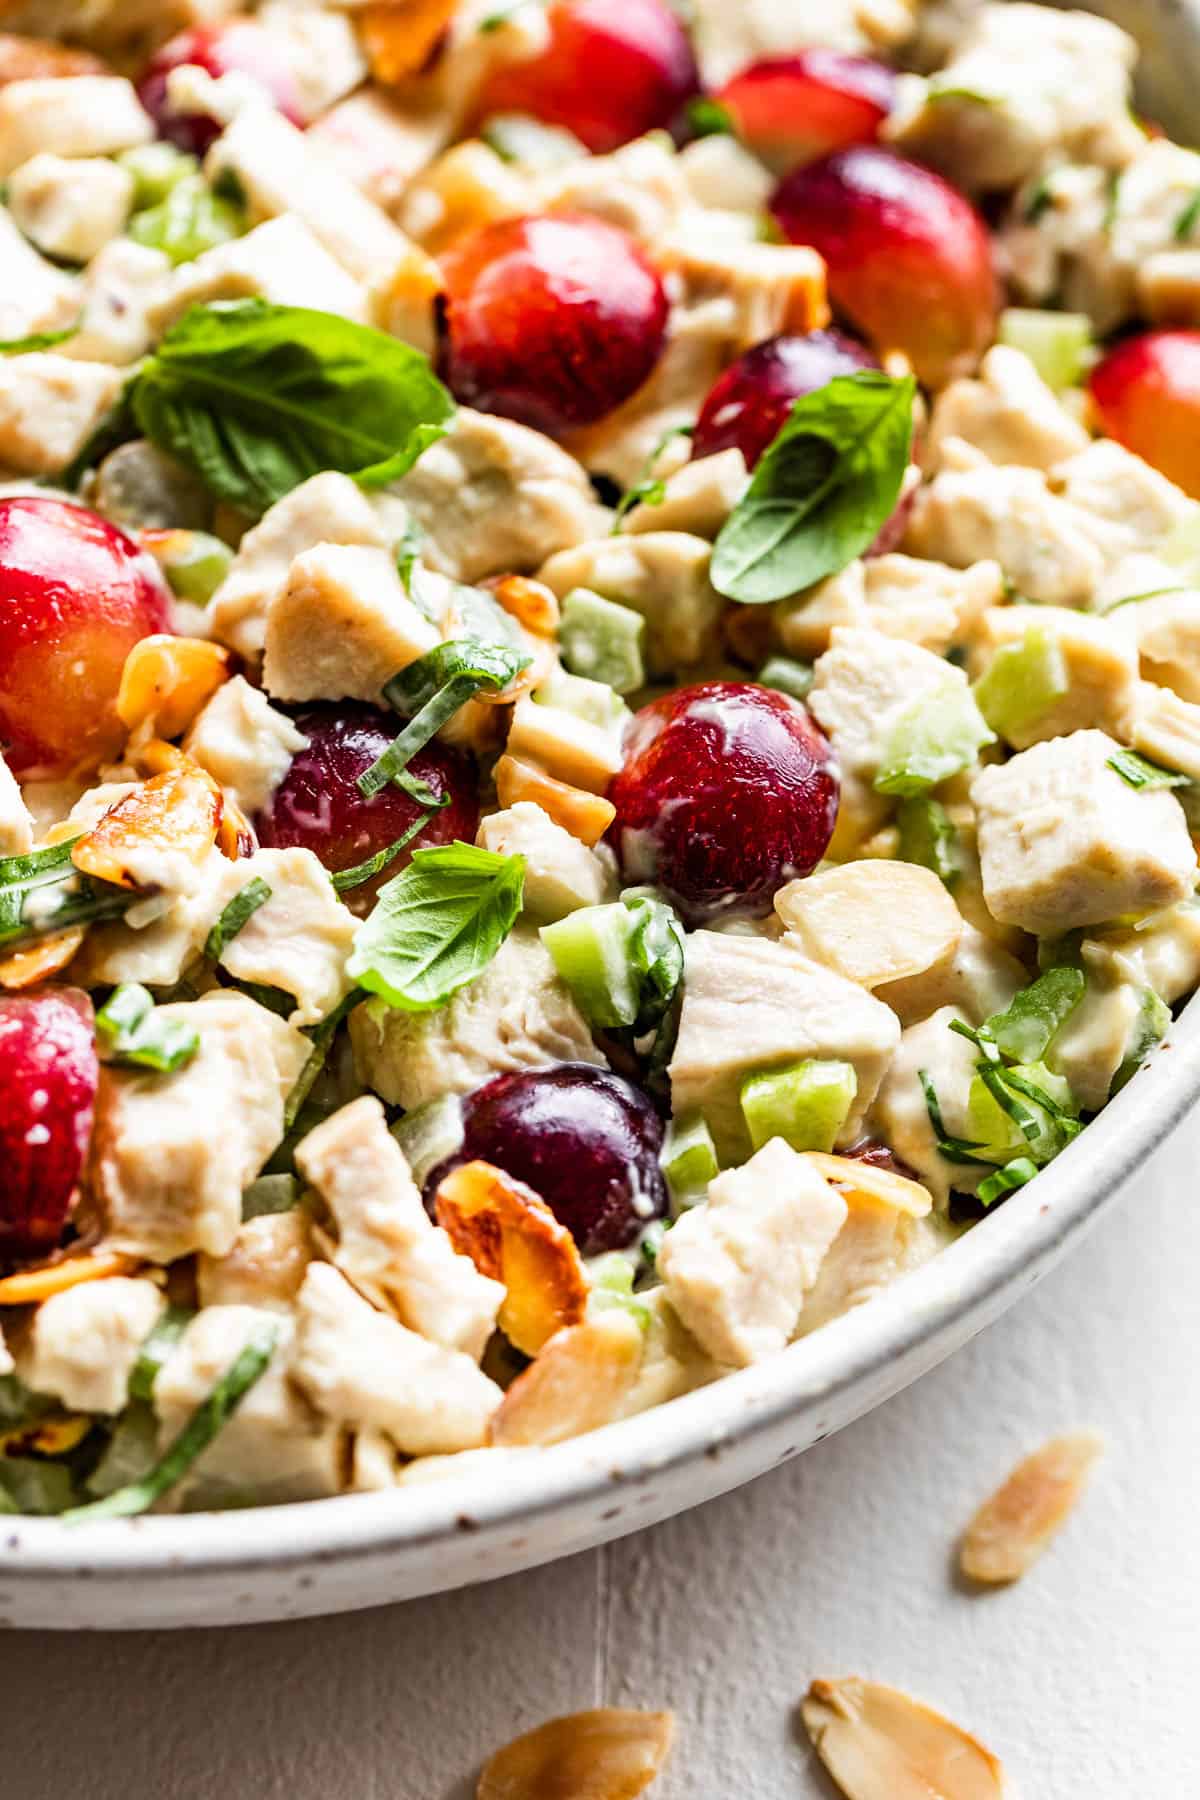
341	627
661	574
244	742
263	1267
379	142
156	950
85	115
322	51
730	37
119	290
1166	629
280	261
34	295
16	825
1098	660
327	509
171	1154
673	1362
736	1269
894	596
1007	412
70	208
386	1239
900	1115
873	921
493	497
747	290
518	1014
49	407
273	1448
1164	728
750	1004
639	188
861	686
298	939
1100	1033
364	1369
84	1342
1065	841
561	874
697	499
1130	506
1161	952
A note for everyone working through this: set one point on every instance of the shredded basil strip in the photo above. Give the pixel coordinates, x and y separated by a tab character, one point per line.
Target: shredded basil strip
954	1149
322	1035
647	489
81	898
429	693
240	910
37	340
1024	1030
1002	1181
133	1032
155	1350
1186	221
1140	772
345	879
203	1426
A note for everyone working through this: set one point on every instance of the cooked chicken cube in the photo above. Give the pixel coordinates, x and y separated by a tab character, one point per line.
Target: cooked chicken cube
119	289
341	627
518	1014
561	874
1100	1033
171	1153
1161	952
263	1267
364	1369
34	295
661	574
16	825
70	208
49	408
750	1004
386	1239
244	742
298	939
1007	412
280	261
1064	840
85	115
861	686
1098	665
1166	629
1130	506
84	1342
156	950
901	1111
736	1268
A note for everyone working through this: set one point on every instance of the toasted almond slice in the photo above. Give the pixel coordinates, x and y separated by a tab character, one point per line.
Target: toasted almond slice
586	816
49	956
531	603
400	36
880	1744
31	1286
1017	1522
510	1233
612	1753
155	756
166	680
853	1176
576	1383
36	59
178	812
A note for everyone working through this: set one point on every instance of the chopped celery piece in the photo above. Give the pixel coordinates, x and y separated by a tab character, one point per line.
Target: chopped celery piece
1140	772
1022	1111
594	701
786	676
927	837
935	737
156	169
188	221
430	1133
1058	344
602	641
1025	1029
270	1194
590	949
651	1243
520	138
195	564
1180	549
612	1287
1022	681
806	1103
1014	1174
688	1158
1154	1016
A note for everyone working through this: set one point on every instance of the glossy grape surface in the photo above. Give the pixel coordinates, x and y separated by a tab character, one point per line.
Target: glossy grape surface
48	1077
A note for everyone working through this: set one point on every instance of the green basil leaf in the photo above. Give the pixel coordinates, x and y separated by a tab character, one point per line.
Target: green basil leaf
346	879
240	910
37	340
256	398
132	1034
707	117
437	925
656	955
74	900
1014	1174
1023	1031
822	490
1185	224
322	1035
156	1348
952	1148
429	693
1140	772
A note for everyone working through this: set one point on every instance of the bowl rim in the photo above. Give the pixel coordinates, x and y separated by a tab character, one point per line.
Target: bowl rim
878	1347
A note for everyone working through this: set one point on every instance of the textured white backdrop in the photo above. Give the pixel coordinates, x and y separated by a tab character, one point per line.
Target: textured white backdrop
1083	1679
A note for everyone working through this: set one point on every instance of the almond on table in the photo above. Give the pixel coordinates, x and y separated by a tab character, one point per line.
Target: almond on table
880	1744
1016	1524
612	1753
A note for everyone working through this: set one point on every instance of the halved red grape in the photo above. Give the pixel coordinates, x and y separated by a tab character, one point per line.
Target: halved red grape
1147	393
238	46
728	790
586	1140
48	1077
909	259
318	806
609	73
76	594
748	404
550	320
791	109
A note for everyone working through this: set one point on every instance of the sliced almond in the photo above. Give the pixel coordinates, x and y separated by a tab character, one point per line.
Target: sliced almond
400	36
851	1176
49	956
613	1753
531	603
177	813
586	816
577	1383
510	1234
154	756
880	1744
871	921
166	680
1017	1522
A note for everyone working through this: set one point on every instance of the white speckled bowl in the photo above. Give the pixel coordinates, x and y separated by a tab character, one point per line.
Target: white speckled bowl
335	1555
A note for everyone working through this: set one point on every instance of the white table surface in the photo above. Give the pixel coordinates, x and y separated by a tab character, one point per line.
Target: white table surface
1083	1678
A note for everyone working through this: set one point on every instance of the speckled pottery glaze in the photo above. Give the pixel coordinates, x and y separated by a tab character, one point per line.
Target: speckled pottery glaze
337	1555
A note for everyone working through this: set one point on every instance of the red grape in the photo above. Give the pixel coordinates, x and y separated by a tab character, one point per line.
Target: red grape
909	259
48	1077
550	320
318	806
609	73
790	109
585	1140
238	46
728	790
1147	393
748	404
76	594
